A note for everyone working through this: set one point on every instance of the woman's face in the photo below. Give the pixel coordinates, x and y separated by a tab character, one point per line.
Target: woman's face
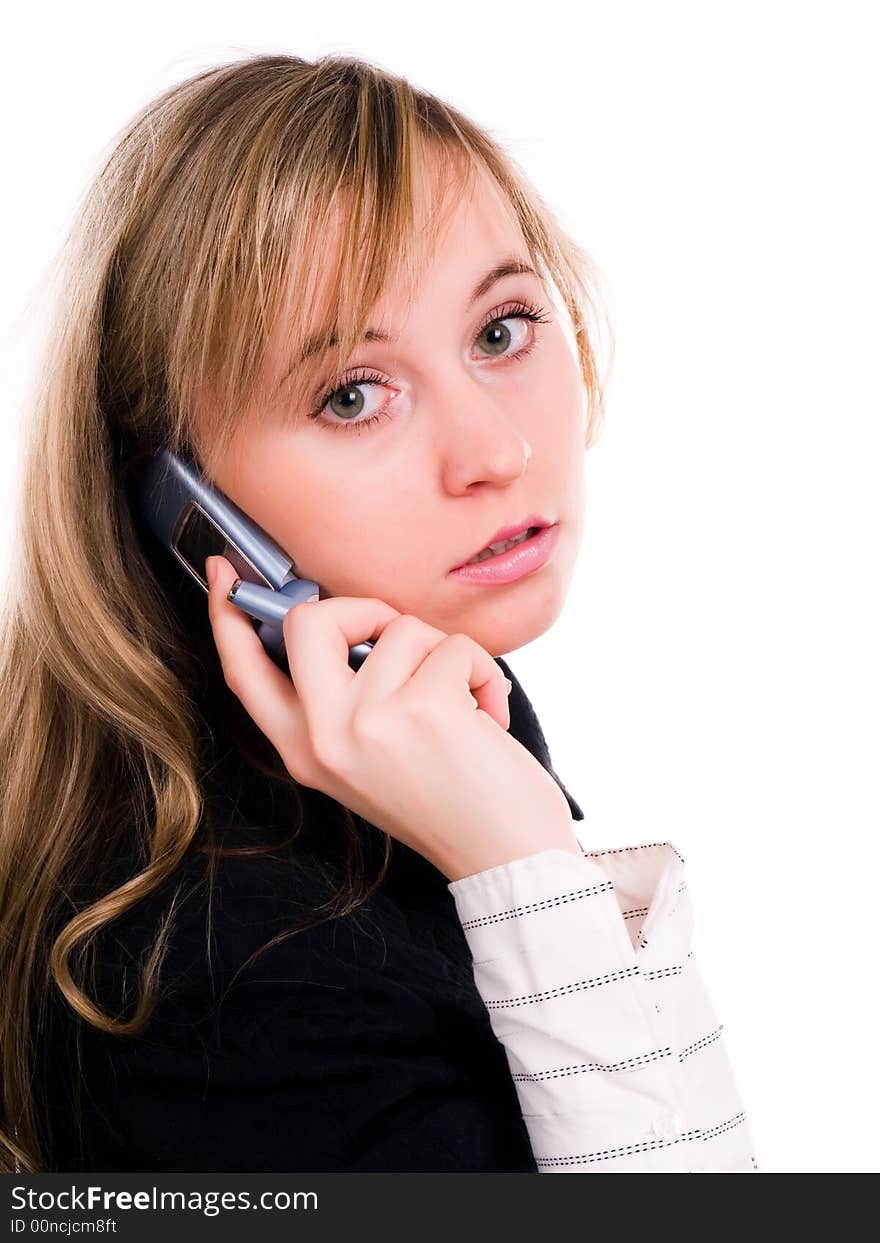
466	439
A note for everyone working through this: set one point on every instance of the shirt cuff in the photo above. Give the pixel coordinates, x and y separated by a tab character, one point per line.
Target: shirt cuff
584	963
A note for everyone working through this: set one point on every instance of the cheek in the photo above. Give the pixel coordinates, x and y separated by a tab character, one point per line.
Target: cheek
339	531
294	495
556	410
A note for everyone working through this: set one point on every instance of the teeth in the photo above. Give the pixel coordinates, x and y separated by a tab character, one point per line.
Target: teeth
492	550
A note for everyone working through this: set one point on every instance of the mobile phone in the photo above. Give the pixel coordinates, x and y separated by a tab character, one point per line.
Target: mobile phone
194	519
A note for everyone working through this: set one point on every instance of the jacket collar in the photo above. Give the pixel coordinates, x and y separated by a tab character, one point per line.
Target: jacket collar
526	728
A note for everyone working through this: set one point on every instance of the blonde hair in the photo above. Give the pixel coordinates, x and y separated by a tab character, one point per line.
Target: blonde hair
201	232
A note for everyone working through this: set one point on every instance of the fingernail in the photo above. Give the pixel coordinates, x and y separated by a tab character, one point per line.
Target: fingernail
509	685
210	569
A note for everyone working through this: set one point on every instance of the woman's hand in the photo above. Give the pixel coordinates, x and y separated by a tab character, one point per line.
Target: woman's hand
414	742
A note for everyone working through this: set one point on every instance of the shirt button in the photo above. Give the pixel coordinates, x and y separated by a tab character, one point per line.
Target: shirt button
668	1126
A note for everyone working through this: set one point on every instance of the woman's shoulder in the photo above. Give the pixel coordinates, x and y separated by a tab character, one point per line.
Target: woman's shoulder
251	942
253	1008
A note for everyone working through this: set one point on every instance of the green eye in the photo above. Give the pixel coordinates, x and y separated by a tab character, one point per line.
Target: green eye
497	326
347	410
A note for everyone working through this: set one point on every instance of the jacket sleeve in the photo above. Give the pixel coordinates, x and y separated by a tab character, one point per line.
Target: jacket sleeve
586	968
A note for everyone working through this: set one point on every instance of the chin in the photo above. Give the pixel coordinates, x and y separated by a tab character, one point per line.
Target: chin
519	626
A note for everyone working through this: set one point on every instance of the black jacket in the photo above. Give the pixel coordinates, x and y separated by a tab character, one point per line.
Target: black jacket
361	1044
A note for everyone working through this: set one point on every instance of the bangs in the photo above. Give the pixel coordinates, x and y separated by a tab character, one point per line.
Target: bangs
323	263
284	226
371	242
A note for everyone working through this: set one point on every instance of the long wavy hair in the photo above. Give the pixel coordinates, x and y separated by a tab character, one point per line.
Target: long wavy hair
203	230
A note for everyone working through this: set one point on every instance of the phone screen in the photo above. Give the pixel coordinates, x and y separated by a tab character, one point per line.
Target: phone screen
196	536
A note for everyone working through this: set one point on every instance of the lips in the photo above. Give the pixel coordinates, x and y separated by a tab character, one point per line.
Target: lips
535	521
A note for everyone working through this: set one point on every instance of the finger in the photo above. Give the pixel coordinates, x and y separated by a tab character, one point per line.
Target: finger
460	660
318	635
402	646
401	649
265	691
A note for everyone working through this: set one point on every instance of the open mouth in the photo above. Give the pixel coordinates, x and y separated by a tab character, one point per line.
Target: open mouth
510	559
502	546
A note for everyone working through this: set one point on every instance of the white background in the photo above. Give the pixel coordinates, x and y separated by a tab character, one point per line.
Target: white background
713	680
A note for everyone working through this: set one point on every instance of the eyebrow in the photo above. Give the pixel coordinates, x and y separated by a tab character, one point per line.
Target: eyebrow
511	265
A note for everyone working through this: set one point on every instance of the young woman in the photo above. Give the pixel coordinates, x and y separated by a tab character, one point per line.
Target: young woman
334	920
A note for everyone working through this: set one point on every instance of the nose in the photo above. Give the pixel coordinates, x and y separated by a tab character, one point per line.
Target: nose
479	440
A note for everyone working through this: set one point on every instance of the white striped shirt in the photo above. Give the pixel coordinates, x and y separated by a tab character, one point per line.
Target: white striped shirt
586	968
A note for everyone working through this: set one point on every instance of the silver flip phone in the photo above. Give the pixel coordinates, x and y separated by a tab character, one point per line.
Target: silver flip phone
193	519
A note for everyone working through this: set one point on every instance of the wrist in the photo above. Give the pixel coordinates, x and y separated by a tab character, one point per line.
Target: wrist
484	855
